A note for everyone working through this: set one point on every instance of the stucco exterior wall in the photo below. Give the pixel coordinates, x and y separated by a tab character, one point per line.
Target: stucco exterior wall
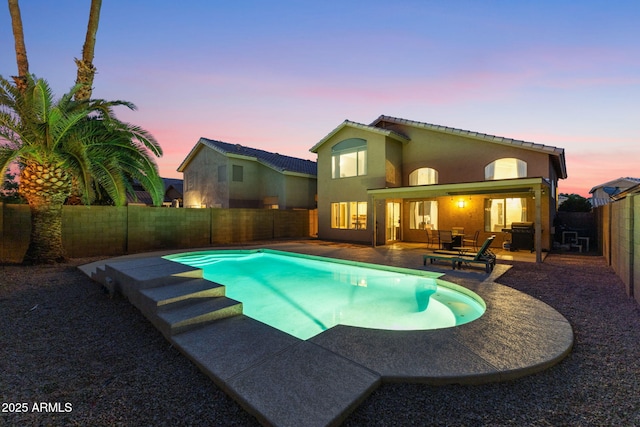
201	185
460	159
248	192
299	192
203	188
350	189
394	168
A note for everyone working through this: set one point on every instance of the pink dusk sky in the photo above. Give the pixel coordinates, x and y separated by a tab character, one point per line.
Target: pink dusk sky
280	75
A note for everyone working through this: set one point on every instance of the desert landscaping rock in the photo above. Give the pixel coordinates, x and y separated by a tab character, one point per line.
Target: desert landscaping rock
64	340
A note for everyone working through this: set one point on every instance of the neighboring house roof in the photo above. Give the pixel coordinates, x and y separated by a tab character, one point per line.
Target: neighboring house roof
276	161
173	182
348	123
615	186
143	197
612	189
140	196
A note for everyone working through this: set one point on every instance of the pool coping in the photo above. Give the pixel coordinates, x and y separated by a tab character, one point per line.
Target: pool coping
283	380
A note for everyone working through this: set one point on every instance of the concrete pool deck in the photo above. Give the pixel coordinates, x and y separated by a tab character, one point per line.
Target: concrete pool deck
283	380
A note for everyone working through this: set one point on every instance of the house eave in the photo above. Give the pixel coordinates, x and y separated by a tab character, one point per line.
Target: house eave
191	155
298	174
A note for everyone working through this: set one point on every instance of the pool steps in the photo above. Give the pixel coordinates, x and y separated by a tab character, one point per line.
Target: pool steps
172	296
182	316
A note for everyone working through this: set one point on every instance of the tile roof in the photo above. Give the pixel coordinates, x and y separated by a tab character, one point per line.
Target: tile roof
140	195
176	182
276	161
599	201
525	144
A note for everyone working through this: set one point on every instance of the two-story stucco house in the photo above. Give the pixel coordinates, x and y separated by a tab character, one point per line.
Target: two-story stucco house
394	179
219	174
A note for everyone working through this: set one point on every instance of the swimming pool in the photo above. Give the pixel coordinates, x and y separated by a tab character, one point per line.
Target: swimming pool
304	295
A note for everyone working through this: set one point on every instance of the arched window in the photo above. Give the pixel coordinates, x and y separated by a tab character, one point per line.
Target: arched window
423	176
506	168
349	158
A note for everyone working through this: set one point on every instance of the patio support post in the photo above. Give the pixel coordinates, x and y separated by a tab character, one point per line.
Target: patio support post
538	224
374	226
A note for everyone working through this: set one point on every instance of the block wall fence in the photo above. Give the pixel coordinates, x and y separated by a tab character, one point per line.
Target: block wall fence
110	231
619	228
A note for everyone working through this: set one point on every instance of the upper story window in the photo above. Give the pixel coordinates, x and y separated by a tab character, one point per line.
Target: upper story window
506	168
349	158
423	176
238	173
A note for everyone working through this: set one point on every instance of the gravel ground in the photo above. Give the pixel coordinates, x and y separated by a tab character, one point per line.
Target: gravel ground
64	343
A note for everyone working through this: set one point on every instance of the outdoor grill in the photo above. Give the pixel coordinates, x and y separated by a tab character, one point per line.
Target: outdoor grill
522	236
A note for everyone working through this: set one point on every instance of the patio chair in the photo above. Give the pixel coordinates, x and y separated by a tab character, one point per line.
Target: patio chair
445	239
472	242
483	256
431	236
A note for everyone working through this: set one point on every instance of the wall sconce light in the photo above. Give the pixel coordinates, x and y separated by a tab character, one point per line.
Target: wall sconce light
460	203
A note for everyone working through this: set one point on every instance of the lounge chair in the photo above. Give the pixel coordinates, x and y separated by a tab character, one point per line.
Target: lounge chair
483	256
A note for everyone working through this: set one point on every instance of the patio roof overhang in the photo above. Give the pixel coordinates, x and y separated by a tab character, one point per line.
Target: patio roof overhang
519	185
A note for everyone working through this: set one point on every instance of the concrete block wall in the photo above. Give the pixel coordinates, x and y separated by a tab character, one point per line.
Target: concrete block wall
620	242
94	230
16	228
242	225
292	224
108	230
635	206
164	228
620	227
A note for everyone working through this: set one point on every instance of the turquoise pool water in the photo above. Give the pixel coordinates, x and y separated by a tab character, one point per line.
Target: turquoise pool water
304	295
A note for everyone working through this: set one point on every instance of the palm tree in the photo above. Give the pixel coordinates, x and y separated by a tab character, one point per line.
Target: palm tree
59	141
86	69
21	50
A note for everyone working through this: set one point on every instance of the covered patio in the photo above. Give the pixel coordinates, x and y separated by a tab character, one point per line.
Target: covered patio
467	206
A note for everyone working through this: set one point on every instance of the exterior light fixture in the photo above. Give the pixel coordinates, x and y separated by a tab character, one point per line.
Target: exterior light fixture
460	203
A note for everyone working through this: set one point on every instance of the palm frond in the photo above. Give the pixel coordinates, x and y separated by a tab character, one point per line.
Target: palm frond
100	152
7	157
